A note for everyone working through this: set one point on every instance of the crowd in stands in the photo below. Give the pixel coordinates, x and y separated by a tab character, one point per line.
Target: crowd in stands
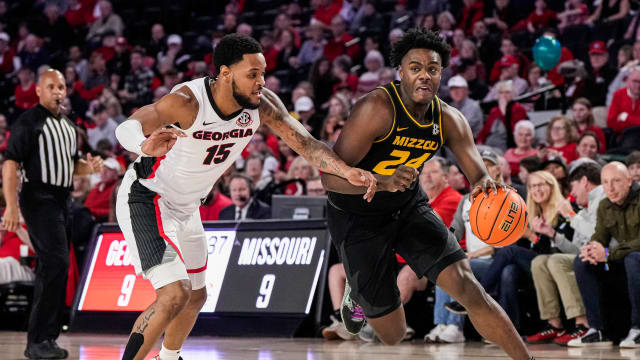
577	170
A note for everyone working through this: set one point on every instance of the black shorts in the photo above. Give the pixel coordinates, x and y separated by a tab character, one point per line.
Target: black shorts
367	246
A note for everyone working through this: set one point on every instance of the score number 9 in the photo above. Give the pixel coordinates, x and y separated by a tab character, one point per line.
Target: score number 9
266	288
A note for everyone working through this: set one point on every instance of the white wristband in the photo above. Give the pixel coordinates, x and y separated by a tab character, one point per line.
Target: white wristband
131	137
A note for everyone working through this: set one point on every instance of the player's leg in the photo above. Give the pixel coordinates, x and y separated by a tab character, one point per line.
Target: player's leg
170	300
409	283
485	314
430	249
365	245
336	277
193	243
154	249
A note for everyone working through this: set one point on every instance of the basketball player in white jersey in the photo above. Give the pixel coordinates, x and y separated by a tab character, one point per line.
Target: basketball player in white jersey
158	201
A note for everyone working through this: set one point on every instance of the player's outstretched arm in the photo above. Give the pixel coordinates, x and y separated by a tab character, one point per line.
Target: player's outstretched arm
459	139
275	115
145	132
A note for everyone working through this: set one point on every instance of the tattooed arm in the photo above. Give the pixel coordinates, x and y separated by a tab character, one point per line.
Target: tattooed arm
275	115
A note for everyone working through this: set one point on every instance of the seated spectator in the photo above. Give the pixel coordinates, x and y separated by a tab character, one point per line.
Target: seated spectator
329	128
469	53
10	253
373	62
312	48
553	275
306	111
325	11
561	139
540	18
446	24
633	164
213	204
287	49
25	92
575	13
616	217
322	80
524	136
625	56
588	147
502	118
609	16
459	92
527	166
107	21
601	74
105	127
521	189
9	62
314	187
244	205
557	167
584	121
341	70
98	200
503	16
509	68
175	53
253	167
457	180
468	69
282	23
300	169
137	83
472	12
368	20
340	43
508	48
625	110
33	54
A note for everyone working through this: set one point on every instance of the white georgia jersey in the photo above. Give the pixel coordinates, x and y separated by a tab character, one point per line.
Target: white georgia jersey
186	174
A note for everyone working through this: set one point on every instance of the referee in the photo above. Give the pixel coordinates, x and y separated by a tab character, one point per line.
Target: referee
43	144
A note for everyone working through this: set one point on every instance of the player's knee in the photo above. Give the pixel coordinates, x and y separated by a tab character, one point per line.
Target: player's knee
198	298
337	271
175	296
393	336
407	278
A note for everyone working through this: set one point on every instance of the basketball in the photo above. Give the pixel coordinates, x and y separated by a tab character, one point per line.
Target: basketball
498	219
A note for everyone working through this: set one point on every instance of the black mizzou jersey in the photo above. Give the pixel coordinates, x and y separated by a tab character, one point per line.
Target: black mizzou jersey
407	143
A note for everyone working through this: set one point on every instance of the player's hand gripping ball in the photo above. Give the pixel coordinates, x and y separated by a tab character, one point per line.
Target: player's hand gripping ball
499	219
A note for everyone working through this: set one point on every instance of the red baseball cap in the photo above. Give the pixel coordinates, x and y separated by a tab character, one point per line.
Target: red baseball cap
597	47
508	60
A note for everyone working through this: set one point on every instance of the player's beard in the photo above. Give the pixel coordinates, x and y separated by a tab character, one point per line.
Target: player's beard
242	100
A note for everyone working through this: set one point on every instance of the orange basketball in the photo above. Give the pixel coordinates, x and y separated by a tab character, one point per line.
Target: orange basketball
498	219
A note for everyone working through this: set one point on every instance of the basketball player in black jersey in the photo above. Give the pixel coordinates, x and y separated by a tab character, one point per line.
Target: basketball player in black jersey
392	131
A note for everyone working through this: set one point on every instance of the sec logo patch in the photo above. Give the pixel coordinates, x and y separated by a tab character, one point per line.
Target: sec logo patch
244	120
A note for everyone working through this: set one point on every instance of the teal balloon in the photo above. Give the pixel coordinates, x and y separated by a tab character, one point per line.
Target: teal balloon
546	52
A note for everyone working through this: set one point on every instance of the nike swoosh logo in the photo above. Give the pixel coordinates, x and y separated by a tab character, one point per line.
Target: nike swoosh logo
404	128
205	124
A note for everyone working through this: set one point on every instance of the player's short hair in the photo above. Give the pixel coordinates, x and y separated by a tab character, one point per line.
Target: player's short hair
591	170
232	48
420	39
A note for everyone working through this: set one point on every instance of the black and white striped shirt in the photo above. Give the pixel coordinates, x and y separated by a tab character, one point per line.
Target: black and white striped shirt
45	146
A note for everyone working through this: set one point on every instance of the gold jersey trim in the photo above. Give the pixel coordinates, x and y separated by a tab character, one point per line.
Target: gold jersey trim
393	126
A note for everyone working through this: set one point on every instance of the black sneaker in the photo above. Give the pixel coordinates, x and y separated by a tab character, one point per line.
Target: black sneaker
47	349
593	338
351	313
456	308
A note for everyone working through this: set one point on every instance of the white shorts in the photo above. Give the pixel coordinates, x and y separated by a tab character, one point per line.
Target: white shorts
164	247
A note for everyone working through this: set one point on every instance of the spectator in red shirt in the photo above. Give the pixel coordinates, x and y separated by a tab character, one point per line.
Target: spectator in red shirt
561	139
541	17
507	47
625	105
10	268
472	12
583	118
341	43
341	69
8	60
269	50
442	197
25	92
98	200
215	202
326	10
